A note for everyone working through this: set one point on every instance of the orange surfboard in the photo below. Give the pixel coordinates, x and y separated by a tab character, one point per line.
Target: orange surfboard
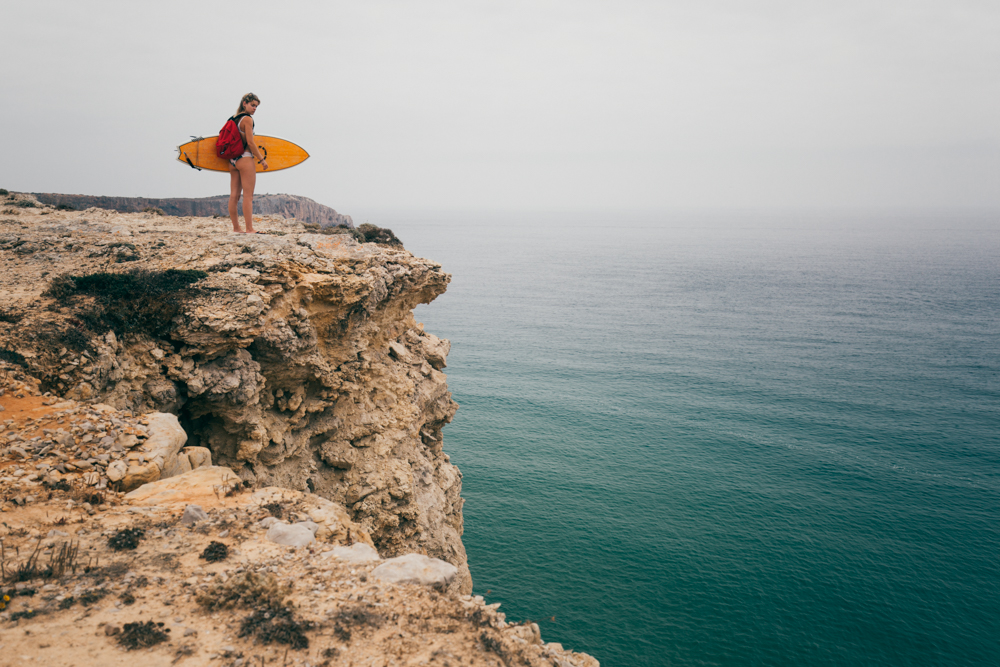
280	153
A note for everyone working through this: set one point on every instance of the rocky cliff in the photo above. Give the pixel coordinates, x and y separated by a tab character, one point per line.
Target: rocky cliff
292	357
302	209
226	449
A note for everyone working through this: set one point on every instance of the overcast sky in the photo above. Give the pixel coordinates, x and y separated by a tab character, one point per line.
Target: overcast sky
535	104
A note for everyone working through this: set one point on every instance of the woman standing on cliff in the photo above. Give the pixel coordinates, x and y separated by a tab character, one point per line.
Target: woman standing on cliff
242	171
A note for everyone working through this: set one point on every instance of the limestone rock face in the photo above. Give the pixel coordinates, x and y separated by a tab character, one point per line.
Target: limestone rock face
295	361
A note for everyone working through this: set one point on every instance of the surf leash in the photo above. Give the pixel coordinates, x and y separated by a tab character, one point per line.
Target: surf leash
190	162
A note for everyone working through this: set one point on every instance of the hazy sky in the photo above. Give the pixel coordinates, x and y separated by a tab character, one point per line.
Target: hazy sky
540	104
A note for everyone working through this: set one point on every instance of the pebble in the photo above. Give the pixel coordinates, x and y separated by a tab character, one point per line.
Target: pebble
116	470
193	514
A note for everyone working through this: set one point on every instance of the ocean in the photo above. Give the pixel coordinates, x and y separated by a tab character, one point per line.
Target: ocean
729	439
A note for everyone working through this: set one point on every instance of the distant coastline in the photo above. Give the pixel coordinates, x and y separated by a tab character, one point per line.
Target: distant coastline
288	206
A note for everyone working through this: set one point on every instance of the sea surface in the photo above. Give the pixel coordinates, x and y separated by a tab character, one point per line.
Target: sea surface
731	439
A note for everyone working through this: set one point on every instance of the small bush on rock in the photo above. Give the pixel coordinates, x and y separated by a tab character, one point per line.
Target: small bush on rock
126	539
380	235
247	589
276	626
135	301
12	357
215	551
142	635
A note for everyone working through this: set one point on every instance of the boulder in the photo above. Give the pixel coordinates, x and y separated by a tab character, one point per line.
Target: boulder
188	459
198	457
117	470
139	474
206	487
295	535
166	438
416	569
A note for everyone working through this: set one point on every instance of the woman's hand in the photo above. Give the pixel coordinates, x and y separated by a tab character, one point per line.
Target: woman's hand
263	163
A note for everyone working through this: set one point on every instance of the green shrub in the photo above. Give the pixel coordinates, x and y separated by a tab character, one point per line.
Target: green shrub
246	589
73	338
65	207
154	210
126	539
136	283
4	192
380	235
276	626
142	635
12	357
338	229
10	315
25	203
136	301
60	287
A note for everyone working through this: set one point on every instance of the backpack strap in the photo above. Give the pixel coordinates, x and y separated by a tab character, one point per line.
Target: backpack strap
237	118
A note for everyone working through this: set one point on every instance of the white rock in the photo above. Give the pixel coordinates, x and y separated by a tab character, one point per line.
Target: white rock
193	514
399	351
267	522
311	525
166	437
117	470
296	535
359	552
197	456
416	569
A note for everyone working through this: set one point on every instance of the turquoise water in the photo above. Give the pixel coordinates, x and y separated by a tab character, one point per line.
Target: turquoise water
730	440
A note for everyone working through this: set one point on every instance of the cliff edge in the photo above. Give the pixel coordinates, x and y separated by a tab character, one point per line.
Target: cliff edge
301	208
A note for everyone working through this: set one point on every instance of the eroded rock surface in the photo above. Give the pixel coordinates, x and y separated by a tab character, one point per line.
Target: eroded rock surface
219	593
295	360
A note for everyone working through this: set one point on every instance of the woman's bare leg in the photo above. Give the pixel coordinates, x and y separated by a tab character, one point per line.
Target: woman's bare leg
248	177
235	186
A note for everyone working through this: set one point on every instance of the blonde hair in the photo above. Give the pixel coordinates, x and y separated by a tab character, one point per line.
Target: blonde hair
249	97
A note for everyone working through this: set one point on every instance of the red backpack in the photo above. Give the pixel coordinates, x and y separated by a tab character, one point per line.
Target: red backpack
230	144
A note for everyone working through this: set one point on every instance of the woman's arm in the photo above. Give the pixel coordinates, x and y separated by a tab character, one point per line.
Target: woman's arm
247	124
